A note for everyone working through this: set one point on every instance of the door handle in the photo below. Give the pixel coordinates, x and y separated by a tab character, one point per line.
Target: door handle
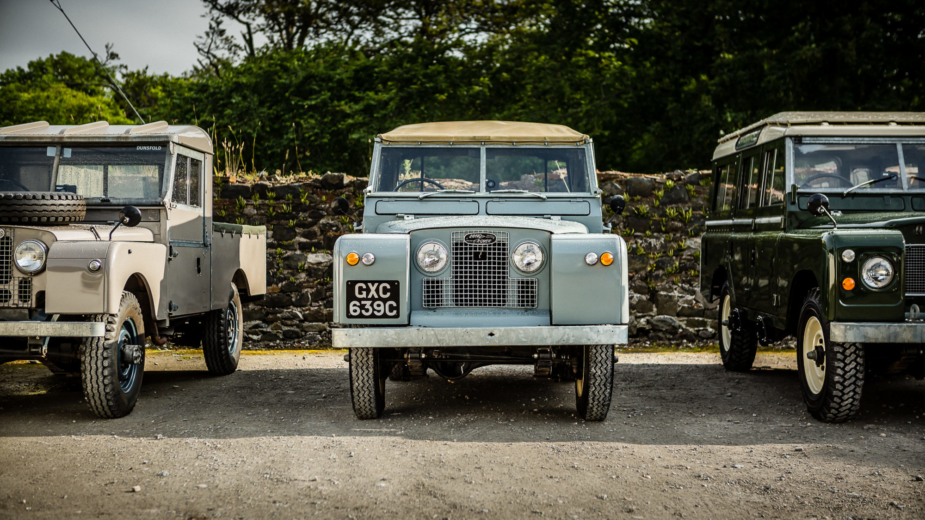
198	265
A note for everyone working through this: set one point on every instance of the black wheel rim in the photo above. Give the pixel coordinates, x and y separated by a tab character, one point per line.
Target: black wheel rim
231	319
128	371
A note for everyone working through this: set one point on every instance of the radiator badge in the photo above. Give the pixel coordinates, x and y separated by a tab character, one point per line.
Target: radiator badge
480	239
2	232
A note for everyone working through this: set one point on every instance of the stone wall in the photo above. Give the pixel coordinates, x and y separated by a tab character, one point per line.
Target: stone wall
662	226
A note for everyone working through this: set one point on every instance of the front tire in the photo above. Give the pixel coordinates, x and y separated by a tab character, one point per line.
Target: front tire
594	383
221	345
367	382
831	374
738	339
111	382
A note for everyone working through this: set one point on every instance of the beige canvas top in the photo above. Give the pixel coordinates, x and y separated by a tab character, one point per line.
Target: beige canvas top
483	132
101	131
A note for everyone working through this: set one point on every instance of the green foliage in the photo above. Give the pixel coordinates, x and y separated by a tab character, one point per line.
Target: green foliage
285	209
626	232
641	210
671	213
691	190
651	284
271	196
669	184
673	269
686	215
239	221
696	256
648	233
240	204
271	212
705	182
639	250
658	195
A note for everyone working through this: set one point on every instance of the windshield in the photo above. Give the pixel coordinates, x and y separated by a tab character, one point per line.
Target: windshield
135	172
26	168
428	169
857	168
507	169
539	170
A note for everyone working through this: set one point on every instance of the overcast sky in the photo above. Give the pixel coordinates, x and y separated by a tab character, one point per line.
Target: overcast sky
156	33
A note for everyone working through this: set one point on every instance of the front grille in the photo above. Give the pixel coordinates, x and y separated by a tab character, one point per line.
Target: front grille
15	287
915	270
480	276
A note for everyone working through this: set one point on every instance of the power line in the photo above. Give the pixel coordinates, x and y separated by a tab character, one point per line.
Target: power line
57	4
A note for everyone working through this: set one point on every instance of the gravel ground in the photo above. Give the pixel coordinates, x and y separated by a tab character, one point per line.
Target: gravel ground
278	439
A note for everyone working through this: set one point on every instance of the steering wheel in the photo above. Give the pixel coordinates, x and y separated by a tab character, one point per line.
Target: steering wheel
422	180
14	183
825	175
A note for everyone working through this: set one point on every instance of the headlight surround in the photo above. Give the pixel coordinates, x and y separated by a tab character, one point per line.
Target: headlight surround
528	257
877	272
432	257
30	256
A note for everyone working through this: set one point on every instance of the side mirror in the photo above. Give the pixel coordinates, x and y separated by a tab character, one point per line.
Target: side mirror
818	204
617	204
130	216
341	206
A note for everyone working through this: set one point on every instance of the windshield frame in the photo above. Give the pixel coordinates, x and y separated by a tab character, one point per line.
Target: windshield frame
483	164
795	141
59	145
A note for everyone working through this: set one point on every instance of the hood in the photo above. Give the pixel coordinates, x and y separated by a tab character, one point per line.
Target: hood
83	232
912	225
555	227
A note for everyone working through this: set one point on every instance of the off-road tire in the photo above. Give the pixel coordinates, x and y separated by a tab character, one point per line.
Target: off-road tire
367	382
400	372
739	354
224	336
594	387
39	207
99	362
840	396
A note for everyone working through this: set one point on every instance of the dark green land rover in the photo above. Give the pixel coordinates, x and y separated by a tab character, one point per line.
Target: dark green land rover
817	230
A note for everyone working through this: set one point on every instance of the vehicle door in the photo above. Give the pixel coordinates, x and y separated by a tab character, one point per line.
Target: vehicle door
716	247
769	222
188	268
743	248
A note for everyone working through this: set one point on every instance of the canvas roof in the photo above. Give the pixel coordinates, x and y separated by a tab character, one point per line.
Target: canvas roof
831	118
483	132
101	131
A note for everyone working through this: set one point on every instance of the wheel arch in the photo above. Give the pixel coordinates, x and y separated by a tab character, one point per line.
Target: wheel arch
138	285
720	275
803	282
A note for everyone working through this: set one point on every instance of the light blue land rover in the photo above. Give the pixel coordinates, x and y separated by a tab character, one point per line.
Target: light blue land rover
481	243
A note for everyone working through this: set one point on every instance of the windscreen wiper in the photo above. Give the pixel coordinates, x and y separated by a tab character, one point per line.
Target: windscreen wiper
452	190
868	183
535	194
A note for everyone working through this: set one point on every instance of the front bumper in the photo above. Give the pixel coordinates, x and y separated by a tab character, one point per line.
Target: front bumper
54	329
874	332
422	337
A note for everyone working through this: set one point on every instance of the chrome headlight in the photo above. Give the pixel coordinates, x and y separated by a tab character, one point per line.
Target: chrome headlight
528	257
30	256
877	272
432	257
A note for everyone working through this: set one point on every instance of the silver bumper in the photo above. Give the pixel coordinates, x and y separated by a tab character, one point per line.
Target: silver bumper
55	329
418	337
871	332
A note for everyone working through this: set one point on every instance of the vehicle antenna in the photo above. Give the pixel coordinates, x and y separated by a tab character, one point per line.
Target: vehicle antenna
57	4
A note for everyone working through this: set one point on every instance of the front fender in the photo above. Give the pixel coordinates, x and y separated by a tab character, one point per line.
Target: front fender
73	289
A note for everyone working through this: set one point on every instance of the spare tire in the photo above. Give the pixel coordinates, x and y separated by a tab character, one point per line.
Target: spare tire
41	207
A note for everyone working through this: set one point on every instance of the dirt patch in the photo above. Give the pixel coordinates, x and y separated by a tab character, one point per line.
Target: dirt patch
278	438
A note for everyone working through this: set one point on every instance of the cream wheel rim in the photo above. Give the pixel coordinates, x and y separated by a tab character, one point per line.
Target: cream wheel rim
813	338
724	322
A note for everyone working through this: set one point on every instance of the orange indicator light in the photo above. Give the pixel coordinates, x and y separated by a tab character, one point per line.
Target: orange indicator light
607	258
353	258
848	284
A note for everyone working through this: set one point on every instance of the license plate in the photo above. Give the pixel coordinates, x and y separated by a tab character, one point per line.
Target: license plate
370	299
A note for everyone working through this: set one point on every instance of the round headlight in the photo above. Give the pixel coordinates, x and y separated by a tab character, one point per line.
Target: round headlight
432	257
847	255
877	272
368	258
528	257
30	256
591	258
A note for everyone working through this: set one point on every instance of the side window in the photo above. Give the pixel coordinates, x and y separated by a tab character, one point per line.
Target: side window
181	181
774	182
726	189
751	176
195	171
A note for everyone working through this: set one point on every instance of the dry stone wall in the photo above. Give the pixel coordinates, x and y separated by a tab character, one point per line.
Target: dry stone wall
662	225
